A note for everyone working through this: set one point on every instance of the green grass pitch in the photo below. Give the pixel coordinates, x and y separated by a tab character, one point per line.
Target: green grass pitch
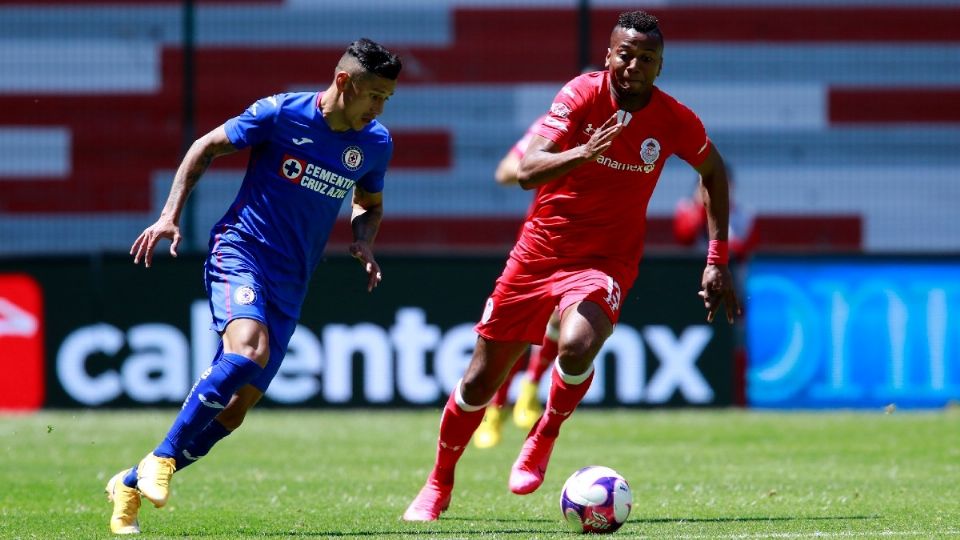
726	474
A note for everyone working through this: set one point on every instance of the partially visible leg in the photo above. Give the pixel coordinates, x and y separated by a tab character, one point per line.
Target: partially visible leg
488	433
584	328
527	410
462	414
548	351
245	353
122	489
224	424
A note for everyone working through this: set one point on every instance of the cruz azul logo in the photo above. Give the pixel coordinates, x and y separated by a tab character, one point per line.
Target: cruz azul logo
316	178
352	158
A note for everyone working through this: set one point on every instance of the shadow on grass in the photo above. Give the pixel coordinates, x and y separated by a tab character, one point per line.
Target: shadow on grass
431	532
746	519
524	532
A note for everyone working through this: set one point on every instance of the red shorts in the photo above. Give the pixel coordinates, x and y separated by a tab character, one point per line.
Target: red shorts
528	292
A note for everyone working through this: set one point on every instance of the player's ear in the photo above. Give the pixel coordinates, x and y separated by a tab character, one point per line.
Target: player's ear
606	59
341	79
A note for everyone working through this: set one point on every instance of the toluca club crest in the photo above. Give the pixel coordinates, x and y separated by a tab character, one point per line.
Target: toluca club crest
650	151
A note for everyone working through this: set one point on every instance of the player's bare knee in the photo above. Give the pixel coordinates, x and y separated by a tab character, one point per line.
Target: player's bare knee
476	390
260	355
578	350
574	365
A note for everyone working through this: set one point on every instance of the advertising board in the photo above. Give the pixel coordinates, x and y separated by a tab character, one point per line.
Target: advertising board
853	332
118	335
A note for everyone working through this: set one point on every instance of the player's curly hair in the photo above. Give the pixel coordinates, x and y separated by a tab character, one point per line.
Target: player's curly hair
375	58
641	21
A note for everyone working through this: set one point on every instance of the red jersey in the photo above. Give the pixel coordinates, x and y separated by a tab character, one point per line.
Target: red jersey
598	210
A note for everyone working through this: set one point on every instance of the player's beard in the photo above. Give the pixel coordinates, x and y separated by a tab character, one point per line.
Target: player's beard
627	88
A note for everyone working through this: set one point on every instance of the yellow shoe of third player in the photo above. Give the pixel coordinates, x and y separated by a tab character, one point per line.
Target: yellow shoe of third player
153	478
526	411
126	505
488	434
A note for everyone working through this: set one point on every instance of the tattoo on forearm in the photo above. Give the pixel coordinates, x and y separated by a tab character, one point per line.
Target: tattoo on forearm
193	176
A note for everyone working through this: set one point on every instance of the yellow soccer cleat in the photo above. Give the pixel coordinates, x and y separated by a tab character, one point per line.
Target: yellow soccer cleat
153	478
488	434
526	411
126	505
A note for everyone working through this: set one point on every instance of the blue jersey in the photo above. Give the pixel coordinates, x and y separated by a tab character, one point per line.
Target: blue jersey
297	177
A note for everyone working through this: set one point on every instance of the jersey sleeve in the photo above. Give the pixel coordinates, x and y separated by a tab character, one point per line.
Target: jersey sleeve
255	124
372	182
567	111
693	144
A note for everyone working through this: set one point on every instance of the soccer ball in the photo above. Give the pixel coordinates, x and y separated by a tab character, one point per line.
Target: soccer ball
595	500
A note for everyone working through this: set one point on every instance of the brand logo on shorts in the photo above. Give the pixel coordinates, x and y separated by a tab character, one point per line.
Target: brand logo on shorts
613	294
487	311
245	296
352	158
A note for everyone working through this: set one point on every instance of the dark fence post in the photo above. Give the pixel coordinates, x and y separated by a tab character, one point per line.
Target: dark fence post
584	34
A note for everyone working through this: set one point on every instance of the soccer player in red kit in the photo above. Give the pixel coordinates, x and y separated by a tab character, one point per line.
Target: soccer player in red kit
527	409
596	159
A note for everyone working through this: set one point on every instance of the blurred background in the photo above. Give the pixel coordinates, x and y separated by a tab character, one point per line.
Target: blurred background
839	120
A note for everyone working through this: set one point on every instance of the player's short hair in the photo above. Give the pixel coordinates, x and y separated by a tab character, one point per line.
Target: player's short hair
375	58
641	21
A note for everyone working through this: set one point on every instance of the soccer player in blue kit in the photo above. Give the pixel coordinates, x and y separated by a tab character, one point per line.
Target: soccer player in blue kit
308	150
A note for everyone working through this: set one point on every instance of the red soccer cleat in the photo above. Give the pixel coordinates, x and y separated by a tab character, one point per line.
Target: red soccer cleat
433	500
527	472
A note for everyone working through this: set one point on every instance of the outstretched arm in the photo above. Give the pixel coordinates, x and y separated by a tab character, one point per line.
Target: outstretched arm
542	162
717	283
365	222
194	164
506	173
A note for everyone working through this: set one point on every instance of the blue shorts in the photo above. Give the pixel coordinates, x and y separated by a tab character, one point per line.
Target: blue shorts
237	291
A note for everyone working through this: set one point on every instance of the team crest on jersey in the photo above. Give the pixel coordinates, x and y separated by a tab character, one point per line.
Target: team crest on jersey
245	295
650	151
560	110
352	158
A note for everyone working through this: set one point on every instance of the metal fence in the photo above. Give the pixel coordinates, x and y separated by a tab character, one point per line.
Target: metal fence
831	114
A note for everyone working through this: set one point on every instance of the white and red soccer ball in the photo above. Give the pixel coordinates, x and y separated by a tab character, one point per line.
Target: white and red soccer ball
596	500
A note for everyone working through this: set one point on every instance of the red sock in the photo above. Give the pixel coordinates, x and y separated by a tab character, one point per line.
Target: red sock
563	400
456	428
542	359
500	398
